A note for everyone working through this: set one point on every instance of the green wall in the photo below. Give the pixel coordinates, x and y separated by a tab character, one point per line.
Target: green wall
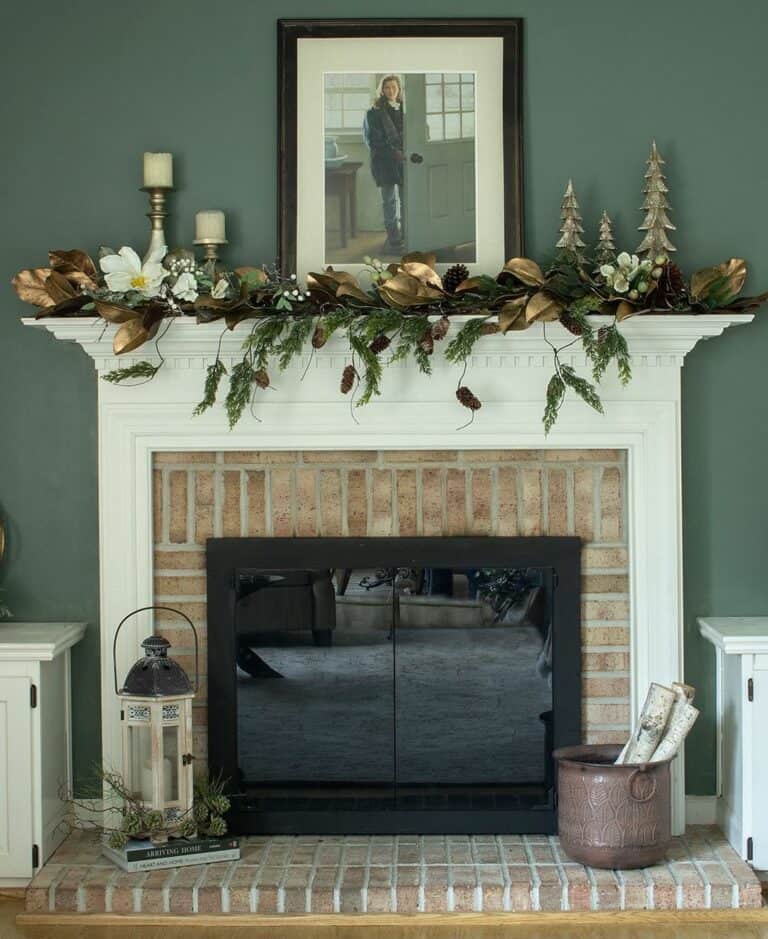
88	86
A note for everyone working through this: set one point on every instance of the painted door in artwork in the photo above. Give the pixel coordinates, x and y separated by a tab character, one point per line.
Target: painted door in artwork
439	136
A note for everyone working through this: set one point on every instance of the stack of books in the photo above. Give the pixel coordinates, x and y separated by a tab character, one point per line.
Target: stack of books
177	852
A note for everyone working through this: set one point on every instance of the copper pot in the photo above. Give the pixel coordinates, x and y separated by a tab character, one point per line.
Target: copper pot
612	816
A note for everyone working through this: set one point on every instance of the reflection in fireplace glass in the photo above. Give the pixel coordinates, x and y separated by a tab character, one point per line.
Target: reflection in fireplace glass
425	688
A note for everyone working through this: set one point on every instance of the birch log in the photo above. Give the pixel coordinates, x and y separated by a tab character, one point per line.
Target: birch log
686	691
681	720
650	727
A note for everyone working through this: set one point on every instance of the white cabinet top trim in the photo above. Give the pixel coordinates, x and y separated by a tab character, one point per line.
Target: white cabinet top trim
40	642
736	635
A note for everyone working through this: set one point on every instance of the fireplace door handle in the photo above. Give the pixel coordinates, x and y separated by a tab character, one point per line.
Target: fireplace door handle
395	602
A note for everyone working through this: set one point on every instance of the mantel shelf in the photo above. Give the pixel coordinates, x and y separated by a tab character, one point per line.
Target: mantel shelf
671	336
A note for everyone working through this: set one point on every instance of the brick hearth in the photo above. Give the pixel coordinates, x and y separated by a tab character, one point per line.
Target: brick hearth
437	874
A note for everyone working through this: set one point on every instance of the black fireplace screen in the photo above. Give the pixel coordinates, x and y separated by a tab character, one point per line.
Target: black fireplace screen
392	685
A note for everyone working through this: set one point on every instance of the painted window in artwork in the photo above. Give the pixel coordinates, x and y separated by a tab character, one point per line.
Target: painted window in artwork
347	97
450	98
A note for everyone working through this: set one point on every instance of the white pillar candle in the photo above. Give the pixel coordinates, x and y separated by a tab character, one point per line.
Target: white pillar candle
209	226
158	169
146	781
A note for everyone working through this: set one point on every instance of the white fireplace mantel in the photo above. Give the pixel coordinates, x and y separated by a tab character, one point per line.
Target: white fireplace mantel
305	410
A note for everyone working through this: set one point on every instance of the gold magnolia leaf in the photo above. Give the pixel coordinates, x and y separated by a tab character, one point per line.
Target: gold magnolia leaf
404	290
130	336
701	282
65	308
526	271
77	267
469	284
398	299
252	276
59	288
423	273
207	302
30	286
512	315
719	285
114	313
352	290
624	309
328	281
543	308
420	257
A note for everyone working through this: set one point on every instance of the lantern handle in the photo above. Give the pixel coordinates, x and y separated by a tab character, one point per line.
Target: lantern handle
170	609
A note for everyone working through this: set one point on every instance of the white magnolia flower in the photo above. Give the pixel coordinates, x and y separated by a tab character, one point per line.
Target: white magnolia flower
124	271
620	277
628	262
220	289
185	287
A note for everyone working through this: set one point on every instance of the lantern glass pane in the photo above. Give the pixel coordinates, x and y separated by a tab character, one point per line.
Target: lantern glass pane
171	763
139	769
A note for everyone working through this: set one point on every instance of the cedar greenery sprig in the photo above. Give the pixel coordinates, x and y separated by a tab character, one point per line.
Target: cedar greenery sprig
143	369
241	382
461	346
213	376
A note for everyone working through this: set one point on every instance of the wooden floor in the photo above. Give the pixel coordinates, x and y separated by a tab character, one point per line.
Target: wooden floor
695	925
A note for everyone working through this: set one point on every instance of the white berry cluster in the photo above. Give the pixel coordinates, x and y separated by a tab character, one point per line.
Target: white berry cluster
295	295
184	265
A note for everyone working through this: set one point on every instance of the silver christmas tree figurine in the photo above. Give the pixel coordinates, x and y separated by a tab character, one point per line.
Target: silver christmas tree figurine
571	229
605	253
656	222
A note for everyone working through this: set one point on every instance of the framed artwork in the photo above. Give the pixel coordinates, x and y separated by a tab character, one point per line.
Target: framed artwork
398	136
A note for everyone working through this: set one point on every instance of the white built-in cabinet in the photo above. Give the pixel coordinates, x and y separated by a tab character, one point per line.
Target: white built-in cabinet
741	645
35	743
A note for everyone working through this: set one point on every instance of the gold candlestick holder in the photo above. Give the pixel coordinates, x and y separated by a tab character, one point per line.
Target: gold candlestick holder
156	215
211	255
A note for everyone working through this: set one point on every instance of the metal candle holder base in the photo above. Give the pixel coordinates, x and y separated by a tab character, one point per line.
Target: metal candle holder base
211	256
156	215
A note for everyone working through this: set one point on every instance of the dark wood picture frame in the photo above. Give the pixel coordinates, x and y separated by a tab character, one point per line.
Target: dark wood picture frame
290	31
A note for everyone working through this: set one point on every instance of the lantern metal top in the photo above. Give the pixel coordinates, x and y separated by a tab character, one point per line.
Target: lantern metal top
156	675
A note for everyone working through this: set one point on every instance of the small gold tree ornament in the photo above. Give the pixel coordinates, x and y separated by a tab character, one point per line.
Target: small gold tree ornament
571	230
156	722
655	243
605	252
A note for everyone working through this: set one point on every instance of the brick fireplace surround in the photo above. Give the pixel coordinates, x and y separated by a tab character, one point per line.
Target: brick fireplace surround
404	492
300	465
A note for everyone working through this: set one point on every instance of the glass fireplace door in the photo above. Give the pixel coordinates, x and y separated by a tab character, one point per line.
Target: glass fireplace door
473	702
314	687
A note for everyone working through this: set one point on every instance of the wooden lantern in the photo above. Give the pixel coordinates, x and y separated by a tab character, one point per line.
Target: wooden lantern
156	720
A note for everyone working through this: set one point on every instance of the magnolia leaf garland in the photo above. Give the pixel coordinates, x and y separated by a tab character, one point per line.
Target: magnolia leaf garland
404	313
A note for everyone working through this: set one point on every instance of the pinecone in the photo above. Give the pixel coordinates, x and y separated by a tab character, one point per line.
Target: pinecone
348	377
319	337
571	324
261	377
380	343
670	287
454	276
440	328
488	329
602	333
467	398
427	341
